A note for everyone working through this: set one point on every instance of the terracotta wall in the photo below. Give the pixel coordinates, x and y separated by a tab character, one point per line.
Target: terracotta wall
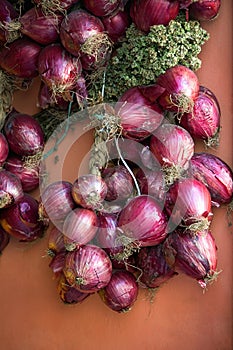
181	315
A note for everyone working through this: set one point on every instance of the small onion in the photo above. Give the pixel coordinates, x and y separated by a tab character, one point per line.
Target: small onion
40	27
88	268
21	220
204	10
194	255
204	120
80	227
4	149
55	242
11	190
69	294
28	174
20	58
153	266
4	239
188	203
57	263
146	13
151	182
215	174
56	202
121	292
173	147
24	134
89	191
181	89
7	15
116	24
119	183
101	8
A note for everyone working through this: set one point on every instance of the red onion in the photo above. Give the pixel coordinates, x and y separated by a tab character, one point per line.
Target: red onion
189	203
56	202
4	149
142	222
119	183
116	24
181	89
69	294
28	174
21	220
153	266
4	239
58	69
88	268
55	242
57	263
173	147
11	190
20	58
139	117
146	13
7	15
54	6
80	227
215	174
101	8
148	159
204	10
194	255
42	28
204	120
82	34
89	191
121	292
129	149
47	98
24	135
151	182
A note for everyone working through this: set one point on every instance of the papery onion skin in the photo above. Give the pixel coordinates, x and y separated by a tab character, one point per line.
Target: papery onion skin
145	13
153	266
194	255
56	202
24	134
139	117
88	268
143	221
188	202
80	227
58	69
4	149
116	25
69	294
119	183
11	190
89	191
101	8
43	29
21	220
4	239
204	10
121	292
181	89
29	175
215	174
20	58
7	14
204	120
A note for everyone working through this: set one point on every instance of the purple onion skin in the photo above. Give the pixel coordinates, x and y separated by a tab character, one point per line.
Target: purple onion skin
215	174
69	294
20	58
56	202
47	99
88	268
4	149
121	292
116	25
155	269
143	221
7	14
57	263
22	220
11	190
24	134
205	10
4	239
151	182
106	234
101	8
43	29
29	176
145	13
194	255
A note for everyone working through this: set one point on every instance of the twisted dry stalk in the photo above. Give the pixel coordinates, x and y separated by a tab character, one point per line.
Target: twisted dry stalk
6	94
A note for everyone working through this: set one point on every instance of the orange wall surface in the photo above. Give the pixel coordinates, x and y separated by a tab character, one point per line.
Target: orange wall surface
181	316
